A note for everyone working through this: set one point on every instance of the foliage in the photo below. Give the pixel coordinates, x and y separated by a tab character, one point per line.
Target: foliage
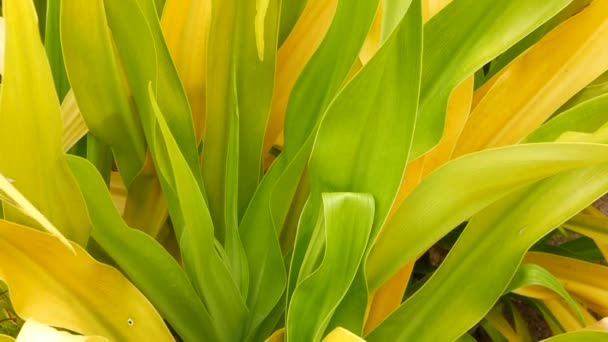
313	170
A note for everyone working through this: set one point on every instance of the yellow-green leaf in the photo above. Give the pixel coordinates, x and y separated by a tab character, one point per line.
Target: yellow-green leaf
595	227
502	233
191	220
348	220
16	200
97	83
580	336
30	129
429	217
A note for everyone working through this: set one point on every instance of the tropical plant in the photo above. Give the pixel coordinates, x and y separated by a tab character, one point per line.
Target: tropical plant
228	170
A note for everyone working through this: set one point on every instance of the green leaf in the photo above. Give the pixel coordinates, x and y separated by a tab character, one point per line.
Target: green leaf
41	12
466	338
582	248
425	217
596	88
289	16
235	66
521	326
97	83
492	332
52	45
30	130
497	326
479	31
160	4
552	322
586	117
348	221
143	260
532	274
237	258
194	231
487	254
134	23
375	111
317	85
585	280
324	74
580	336
100	155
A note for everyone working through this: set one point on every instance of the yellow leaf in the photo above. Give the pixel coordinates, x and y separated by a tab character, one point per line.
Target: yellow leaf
521	326
118	191
564	315
4	338
432	7
298	48
499	322
145	206
372	41
538	82
483	90
33	331
388	298
342	335
602	324
74	127
2	41
585	280
458	109
537	292
58	288
277	336
594	225
184	22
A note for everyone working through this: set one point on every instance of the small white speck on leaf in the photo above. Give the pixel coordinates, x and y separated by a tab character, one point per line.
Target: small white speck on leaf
130	321
522	231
